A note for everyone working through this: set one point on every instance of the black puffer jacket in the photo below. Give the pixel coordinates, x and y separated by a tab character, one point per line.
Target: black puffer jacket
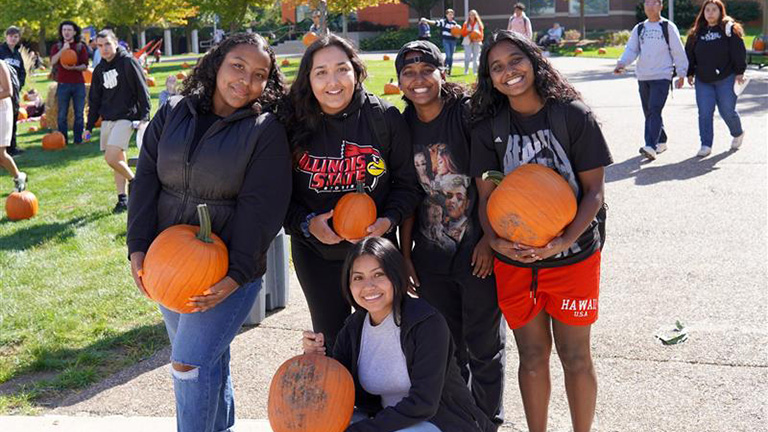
241	169
438	394
13	58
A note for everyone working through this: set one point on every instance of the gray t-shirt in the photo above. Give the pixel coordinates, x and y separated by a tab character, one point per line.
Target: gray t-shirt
381	366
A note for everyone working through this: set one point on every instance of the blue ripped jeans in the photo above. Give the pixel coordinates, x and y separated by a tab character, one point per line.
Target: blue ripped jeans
204	395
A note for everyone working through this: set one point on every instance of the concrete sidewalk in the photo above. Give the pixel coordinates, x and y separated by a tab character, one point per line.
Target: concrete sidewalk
686	241
57	423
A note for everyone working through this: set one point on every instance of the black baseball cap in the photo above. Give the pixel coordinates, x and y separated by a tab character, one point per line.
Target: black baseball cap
430	53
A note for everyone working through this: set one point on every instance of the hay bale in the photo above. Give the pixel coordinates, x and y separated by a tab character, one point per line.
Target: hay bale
52	107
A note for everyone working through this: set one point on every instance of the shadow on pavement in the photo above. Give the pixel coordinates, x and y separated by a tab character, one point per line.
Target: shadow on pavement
648	173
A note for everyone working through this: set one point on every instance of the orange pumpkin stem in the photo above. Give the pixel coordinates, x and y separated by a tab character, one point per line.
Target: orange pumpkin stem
495	176
204	234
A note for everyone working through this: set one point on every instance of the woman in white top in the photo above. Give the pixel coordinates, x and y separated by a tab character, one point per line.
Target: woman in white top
6	128
472	30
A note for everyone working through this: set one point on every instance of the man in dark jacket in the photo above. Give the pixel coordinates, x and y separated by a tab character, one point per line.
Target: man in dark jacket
9	51
119	95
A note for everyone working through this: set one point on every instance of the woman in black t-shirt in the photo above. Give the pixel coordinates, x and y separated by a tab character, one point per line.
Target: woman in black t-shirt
552	290
451	263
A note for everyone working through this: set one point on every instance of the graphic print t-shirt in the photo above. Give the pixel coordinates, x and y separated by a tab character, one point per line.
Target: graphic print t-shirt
447	227
531	141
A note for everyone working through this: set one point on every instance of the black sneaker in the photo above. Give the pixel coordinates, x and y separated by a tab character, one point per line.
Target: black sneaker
15	152
122	204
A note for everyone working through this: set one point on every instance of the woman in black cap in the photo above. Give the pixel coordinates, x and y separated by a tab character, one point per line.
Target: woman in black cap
453	257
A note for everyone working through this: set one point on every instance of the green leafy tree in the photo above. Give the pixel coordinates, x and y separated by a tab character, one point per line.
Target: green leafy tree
42	17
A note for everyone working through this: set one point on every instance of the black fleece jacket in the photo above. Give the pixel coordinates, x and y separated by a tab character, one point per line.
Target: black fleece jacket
118	90
713	55
13	58
343	151
438	393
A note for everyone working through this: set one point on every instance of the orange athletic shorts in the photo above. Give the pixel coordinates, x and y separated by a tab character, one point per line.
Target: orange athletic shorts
569	294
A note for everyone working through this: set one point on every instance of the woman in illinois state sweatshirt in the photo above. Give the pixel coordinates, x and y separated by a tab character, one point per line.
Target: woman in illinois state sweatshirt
119	95
340	136
717	59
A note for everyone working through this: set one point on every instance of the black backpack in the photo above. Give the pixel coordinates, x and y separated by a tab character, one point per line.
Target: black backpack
557	118
374	111
665	32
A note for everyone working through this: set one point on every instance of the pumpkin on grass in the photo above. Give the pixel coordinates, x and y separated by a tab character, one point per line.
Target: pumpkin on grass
21	205
285	62
180	76
311	393
391	88
184	261
151	82
54	141
385	57
532	205
353	214
22	114
68	57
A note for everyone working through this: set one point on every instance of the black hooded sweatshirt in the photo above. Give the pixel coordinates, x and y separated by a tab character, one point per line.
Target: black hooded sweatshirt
13	58
118	90
343	151
714	55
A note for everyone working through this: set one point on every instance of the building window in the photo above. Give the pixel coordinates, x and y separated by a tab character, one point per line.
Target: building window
591	7
535	8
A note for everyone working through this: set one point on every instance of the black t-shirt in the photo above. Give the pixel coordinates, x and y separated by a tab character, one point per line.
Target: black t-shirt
447	224
531	140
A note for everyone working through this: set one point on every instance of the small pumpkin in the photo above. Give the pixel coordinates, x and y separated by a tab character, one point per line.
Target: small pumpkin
456	31
185	65
88	75
476	36
578	51
309	38
758	44
43	122
54	141
34	128
531	205
311	393
21	205
27	97
354	213
68	57
184	261
22	114
386	57
285	62
601	51
151	82
180	76
390	88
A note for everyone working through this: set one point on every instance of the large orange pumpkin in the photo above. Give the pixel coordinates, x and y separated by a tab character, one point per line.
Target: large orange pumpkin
21	205
88	75
476	36
311	393
68	57
353	214
54	141
456	31
309	38
184	261
532	205
391	88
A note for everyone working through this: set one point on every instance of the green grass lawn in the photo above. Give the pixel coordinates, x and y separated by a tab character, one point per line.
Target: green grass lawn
69	312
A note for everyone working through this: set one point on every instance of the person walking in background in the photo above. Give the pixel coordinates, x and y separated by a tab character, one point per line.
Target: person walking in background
717	58
446	25
519	22
451	263
119	95
473	32
221	146
424	33
9	51
660	54
7	120
71	84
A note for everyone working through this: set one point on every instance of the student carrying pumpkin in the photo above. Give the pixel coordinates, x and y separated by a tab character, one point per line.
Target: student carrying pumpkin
529	114
217	144
473	32
451	264
398	350
340	136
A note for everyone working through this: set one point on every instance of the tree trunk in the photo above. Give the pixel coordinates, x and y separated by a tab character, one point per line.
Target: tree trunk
42	50
188	32
582	20
344	26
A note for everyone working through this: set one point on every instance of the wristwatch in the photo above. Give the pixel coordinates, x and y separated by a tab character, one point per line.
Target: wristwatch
305	225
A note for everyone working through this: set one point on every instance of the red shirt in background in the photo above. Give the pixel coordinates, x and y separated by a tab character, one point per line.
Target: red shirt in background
71	76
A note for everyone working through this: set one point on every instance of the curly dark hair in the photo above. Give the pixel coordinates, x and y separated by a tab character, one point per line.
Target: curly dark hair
549	83
78	31
302	111
201	83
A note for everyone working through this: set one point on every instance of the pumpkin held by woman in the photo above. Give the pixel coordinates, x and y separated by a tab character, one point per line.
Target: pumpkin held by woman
311	393
531	205
353	214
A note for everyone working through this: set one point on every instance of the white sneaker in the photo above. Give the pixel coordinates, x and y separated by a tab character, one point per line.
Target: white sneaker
648	152
661	148
736	143
20	182
704	152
